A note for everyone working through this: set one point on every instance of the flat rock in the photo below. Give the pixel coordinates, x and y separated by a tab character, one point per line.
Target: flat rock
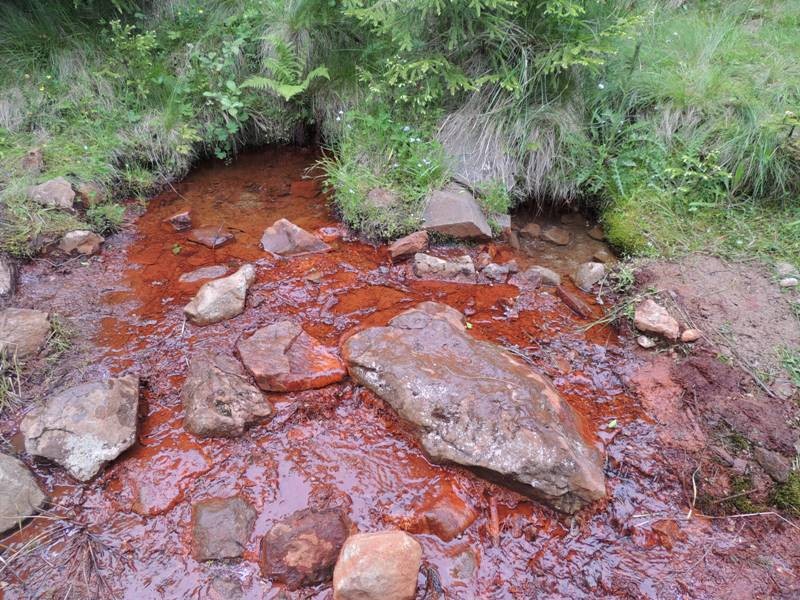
454	211
532	231
409	245
84	427
181	221
432	267
775	464
651	317
20	494
222	298
218	398
472	403
8	277
23	331
284	238
211	272
587	274
81	241
221	527
56	193
301	550
378	566
213	237
284	358
596	233
557	236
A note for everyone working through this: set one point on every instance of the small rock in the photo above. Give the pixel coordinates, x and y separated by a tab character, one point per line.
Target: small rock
181	221
691	335
90	193
532	231
222	298
547	276
447	516
776	465
409	245
8	277
211	272
56	193
20	494
382	198
604	256
454	211
221	527
575	304
84	427
588	274
80	242
788	282
284	358
33	161
557	236
645	342
301	550
785	269
284	238
483	259
23	331
596	233
429	266
378	566
497	272
213	237
218	398
654	318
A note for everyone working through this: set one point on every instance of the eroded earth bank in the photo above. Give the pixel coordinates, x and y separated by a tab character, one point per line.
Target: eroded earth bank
325	390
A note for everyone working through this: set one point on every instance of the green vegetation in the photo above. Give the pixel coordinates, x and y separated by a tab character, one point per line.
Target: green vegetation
787	495
677	124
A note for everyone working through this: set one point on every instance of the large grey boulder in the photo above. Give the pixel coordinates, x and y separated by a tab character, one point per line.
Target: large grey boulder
218	398
23	331
56	193
222	298
474	404
84	427
454	211
20	495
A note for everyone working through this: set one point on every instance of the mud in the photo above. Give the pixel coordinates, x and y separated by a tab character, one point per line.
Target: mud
127	534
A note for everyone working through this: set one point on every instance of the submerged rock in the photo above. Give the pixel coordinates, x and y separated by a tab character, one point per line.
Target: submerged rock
301	549
284	238
532	231
378	566
446	516
654	318
23	331
20	494
218	398
211	272
8	277
213	237
596	233
81	242
180	221
56	193
84	427
474	404
427	266
284	358
222	298
454	211
221	527
557	236
588	274
409	245
545	275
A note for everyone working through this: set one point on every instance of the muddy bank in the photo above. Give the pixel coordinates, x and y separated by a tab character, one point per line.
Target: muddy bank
341	445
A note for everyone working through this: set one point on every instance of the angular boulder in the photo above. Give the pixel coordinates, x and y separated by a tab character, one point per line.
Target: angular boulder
472	403
454	211
210	272
378	566
218	398
222	298
221	527
409	245
23	331
20	494
587	274
56	193
212	237
284	358
301	549
654	318
84	427
80	242
284	238
431	267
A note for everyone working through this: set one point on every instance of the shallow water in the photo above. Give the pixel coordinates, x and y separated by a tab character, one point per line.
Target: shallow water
340	441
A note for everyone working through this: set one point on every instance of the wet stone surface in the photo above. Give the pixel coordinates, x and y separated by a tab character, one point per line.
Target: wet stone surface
221	527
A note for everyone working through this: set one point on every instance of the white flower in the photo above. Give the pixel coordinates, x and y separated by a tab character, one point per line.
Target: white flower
338	118
602	86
